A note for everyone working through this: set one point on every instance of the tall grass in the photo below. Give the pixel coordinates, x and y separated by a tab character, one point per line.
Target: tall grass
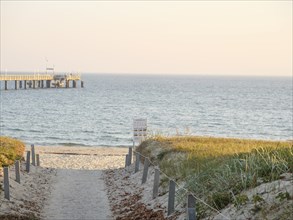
217	169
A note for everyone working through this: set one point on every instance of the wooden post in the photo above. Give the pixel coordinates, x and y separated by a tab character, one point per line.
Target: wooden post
74	83
48	82
38	159
28	161
20	84
191	212
6	183
145	170
42	83
34	84
129	156
5	85
15	84
81	84
171	198
126	160
17	171
33	155
137	161
156	183
24	84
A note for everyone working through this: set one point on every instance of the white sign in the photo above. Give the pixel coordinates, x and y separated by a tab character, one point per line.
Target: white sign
139	129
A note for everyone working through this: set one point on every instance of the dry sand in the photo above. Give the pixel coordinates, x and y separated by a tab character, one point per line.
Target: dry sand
68	185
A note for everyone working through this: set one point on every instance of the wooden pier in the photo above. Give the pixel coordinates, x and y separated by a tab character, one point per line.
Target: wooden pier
41	80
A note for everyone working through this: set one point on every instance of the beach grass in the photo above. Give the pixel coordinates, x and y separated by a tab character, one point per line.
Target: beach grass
10	150
219	169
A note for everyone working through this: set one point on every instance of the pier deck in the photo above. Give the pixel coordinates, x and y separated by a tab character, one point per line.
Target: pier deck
37	80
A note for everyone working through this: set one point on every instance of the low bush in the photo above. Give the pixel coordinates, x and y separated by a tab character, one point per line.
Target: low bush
10	150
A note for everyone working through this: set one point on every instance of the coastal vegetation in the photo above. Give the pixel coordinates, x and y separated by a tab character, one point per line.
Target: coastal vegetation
10	150
219	170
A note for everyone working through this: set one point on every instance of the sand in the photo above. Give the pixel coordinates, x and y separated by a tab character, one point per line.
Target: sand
82	158
68	185
78	194
26	198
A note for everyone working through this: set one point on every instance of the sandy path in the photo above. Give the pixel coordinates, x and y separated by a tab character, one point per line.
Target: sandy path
78	194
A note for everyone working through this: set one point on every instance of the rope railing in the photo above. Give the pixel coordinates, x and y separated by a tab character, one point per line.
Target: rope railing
181	187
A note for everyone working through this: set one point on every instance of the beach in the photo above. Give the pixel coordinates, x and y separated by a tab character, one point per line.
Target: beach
67	185
93	183
82	183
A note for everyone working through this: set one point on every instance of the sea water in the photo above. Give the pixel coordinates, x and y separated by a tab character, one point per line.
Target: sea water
102	113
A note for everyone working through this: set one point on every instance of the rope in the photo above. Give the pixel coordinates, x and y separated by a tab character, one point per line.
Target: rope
182	188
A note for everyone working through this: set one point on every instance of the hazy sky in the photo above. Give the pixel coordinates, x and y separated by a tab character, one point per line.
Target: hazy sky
192	37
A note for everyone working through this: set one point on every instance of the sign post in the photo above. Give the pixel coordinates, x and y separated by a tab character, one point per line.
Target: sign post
139	130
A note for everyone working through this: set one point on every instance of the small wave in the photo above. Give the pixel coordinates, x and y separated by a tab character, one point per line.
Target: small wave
15	129
88	132
34	131
73	144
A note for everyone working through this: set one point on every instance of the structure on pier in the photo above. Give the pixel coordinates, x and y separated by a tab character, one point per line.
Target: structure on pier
46	80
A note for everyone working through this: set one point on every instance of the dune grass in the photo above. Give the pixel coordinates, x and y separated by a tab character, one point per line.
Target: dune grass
218	169
10	150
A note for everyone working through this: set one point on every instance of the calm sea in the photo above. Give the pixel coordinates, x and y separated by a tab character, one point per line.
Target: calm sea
101	114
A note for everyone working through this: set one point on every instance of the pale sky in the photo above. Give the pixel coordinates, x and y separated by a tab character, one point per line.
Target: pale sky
164	37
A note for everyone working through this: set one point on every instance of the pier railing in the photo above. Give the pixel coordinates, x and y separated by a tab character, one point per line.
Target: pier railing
5	77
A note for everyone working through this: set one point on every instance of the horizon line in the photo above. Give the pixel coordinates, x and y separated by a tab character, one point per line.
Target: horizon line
149	74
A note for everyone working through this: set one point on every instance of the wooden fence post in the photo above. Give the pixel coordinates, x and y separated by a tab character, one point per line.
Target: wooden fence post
171	198
6	183
126	160
17	171
156	183
137	161
191	212
33	155
145	170
38	159
129	156
28	160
